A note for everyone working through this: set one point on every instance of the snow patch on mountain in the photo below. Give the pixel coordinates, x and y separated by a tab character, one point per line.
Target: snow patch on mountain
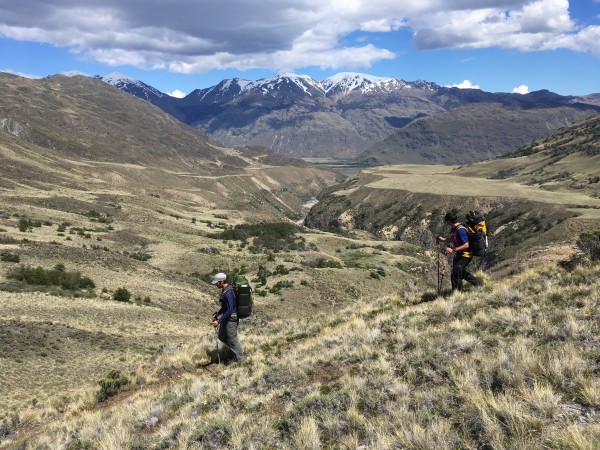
346	82
128	84
266	85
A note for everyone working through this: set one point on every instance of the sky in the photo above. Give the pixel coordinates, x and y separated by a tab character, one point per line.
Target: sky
177	46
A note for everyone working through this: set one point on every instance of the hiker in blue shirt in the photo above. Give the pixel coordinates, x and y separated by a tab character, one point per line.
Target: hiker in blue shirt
226	317
462	255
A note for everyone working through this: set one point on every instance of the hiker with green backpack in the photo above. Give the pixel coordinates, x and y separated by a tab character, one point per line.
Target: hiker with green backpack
227	318
463	253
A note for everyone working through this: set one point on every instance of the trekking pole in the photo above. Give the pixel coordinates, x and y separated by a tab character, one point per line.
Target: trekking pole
439	286
443	272
217	343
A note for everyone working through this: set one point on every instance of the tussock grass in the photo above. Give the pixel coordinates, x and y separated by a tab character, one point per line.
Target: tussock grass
514	365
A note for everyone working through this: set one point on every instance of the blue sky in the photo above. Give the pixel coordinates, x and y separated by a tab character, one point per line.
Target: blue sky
181	45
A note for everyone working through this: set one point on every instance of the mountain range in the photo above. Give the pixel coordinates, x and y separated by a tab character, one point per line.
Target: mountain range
376	120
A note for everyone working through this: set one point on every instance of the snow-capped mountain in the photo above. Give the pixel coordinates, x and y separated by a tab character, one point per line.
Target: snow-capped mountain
131	86
290	84
342	115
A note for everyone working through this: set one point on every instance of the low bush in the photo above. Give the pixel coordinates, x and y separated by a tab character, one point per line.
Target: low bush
63	227
111	385
140	256
26	224
215	435
122	295
7	240
281	285
57	276
208	250
281	270
589	243
324	263
9	257
266	236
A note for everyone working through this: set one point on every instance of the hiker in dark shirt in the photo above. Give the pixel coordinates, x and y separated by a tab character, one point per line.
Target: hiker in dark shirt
462	255
226	317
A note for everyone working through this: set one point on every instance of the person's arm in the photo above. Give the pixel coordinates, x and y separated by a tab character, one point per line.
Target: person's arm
463	237
229	304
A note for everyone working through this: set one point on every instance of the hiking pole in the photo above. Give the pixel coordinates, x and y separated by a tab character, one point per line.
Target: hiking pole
217	343
439	286
443	271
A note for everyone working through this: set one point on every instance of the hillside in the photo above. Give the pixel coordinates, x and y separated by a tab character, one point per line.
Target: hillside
567	160
512	365
544	193
349	113
472	133
96	208
73	132
409	202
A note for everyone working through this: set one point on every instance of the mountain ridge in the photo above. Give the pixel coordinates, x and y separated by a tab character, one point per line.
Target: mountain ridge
351	113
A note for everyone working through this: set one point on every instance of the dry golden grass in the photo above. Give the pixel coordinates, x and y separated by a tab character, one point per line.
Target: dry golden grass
513	365
60	346
441	180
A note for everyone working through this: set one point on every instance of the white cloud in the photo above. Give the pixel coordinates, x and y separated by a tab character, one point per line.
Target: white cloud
177	93
465	85
285	34
21	74
522	89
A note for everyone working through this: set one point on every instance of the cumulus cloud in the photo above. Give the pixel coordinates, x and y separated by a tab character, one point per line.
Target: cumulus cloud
522	89
189	36
465	85
177	93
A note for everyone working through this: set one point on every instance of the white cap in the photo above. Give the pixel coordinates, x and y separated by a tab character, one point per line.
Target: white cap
218	277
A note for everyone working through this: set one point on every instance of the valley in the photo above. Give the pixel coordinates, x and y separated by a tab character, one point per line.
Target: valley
113	219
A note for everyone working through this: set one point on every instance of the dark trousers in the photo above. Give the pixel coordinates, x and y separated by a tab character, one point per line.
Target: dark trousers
460	273
228	335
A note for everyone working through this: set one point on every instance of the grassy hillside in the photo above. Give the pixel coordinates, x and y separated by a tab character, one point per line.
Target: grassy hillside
567	160
511	365
471	133
85	216
119	226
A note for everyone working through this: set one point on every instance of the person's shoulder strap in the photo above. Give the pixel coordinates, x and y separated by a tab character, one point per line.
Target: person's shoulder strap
228	288
464	227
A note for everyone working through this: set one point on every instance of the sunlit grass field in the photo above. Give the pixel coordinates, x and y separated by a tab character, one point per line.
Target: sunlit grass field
511	365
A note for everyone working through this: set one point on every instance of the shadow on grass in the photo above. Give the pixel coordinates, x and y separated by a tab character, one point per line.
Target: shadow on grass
430	296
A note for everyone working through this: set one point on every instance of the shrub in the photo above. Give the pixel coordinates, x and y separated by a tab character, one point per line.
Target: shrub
96	216
7	240
281	270
589	243
122	295
273	236
323	263
63	227
140	256
111	385
26	224
52	277
280	285
9	257
214	435
209	250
